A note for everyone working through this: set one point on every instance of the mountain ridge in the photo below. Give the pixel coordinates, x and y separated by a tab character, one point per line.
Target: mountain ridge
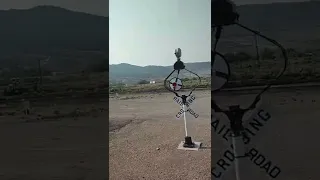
77	40
132	73
71	38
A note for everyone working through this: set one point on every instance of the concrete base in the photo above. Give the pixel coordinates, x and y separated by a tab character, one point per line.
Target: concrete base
197	146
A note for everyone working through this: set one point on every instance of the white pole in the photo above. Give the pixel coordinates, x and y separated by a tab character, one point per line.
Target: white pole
236	161
185	120
238	150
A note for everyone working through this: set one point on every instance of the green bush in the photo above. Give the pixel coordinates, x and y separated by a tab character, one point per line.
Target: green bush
143	82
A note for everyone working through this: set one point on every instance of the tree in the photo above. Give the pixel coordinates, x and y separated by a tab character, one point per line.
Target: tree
143	82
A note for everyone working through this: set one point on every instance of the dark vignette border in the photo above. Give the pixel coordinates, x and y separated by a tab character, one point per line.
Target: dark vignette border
29	172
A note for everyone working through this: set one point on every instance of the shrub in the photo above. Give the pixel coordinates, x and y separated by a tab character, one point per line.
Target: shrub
143	82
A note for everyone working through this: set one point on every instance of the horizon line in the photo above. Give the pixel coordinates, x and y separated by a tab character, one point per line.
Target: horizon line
54	6
157	65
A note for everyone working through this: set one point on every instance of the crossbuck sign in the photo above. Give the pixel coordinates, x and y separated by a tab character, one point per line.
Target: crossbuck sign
190	100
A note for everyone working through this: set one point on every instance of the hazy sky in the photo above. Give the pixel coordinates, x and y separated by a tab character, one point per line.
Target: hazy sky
146	32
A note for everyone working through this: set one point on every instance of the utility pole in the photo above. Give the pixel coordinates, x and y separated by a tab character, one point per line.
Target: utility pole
40	71
257	49
40	67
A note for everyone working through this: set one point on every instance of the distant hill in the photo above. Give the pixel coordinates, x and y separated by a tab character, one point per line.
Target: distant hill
71	38
132	73
76	41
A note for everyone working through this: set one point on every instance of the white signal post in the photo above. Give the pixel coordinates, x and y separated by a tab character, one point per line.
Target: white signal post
175	84
185	120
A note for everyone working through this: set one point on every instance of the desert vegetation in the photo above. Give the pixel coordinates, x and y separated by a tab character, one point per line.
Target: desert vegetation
247	70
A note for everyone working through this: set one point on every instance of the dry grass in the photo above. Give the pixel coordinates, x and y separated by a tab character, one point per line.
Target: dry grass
248	73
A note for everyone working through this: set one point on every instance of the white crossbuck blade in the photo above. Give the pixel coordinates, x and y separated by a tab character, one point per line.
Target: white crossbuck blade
190	100
180	113
254	122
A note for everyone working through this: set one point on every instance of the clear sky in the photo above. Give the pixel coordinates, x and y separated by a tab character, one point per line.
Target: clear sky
146	32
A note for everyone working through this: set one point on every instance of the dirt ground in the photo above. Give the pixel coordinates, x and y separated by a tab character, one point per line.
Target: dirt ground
141	125
60	142
56	142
